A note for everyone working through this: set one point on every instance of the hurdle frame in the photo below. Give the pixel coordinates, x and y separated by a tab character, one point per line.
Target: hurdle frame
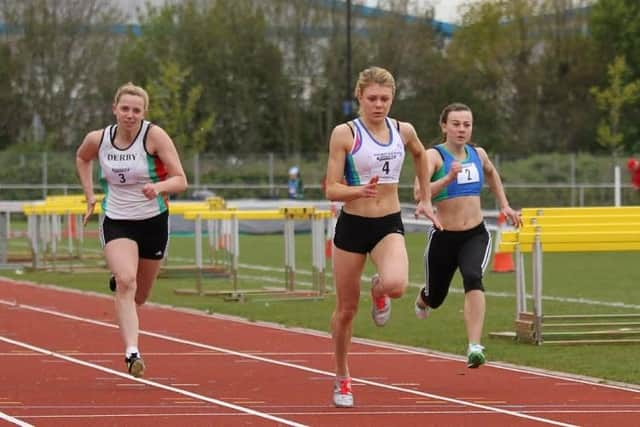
289	215
568	230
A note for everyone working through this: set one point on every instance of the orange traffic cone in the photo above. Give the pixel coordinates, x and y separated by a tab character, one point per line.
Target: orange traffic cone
72	226
502	261
70	231
223	242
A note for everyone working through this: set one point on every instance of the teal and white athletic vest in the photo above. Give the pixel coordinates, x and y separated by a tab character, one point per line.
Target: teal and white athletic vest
369	157
123	173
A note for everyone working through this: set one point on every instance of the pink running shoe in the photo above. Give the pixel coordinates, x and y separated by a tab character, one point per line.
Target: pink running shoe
342	395
381	307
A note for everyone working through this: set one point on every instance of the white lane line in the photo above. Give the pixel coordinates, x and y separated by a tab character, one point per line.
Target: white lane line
136	415
536	372
207	353
291	365
13	420
318	413
433	355
150	383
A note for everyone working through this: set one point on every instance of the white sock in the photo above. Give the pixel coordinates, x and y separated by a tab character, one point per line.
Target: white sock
130	350
475	347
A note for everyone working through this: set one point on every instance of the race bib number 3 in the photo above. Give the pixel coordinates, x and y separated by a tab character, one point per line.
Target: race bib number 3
468	174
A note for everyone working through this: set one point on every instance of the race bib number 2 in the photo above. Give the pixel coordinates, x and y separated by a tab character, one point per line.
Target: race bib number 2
468	174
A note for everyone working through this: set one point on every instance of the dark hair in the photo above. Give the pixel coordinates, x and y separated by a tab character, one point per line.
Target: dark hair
444	115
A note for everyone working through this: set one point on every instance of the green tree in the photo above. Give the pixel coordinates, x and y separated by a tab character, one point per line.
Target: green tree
63	55
567	66
226	47
399	37
612	101
615	27
12	111
299	29
493	51
527	65
420	67
173	106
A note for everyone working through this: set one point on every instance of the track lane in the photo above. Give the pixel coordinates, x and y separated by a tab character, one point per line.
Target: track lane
428	393
231	377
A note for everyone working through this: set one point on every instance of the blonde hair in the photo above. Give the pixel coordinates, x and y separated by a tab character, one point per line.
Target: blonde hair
131	89
374	75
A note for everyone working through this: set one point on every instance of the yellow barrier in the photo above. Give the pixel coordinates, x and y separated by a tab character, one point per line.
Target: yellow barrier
546	230
592	211
45	223
45	230
289	215
44	220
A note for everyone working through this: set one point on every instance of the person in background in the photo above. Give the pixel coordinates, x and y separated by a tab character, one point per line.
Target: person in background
363	170
295	189
139	168
457	171
633	165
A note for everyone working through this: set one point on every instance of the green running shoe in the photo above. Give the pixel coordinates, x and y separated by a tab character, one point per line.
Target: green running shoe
475	356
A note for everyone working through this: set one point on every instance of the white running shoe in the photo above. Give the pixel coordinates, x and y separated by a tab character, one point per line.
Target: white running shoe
381	306
342	395
421	313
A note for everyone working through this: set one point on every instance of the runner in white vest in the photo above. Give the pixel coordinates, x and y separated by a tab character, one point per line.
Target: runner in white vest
365	160
139	168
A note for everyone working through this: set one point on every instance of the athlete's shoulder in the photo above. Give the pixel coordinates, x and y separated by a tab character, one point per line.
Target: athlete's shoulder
402	126
155	132
344	130
474	147
406	130
94	136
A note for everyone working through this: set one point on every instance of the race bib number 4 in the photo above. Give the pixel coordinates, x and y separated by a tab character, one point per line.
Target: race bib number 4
468	174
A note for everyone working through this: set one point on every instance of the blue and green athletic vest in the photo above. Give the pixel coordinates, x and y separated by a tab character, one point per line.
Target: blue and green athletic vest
470	179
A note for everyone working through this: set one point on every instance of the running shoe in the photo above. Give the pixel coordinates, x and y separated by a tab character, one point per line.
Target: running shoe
475	356
421	312
112	283
135	365
381	306
342	395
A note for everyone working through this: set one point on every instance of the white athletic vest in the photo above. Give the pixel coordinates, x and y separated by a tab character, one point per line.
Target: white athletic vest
369	157
123	173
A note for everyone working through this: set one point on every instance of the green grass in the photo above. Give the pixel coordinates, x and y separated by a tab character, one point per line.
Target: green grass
598	278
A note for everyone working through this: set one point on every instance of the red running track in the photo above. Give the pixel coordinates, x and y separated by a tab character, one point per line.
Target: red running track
62	365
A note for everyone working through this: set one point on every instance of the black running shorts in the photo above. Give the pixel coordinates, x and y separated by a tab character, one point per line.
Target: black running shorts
151	235
361	234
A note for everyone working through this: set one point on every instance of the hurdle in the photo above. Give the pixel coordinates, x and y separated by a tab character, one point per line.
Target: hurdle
4	238
549	230
45	230
219	263
289	215
8	258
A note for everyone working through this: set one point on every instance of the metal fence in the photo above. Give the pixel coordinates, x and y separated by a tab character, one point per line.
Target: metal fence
540	180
